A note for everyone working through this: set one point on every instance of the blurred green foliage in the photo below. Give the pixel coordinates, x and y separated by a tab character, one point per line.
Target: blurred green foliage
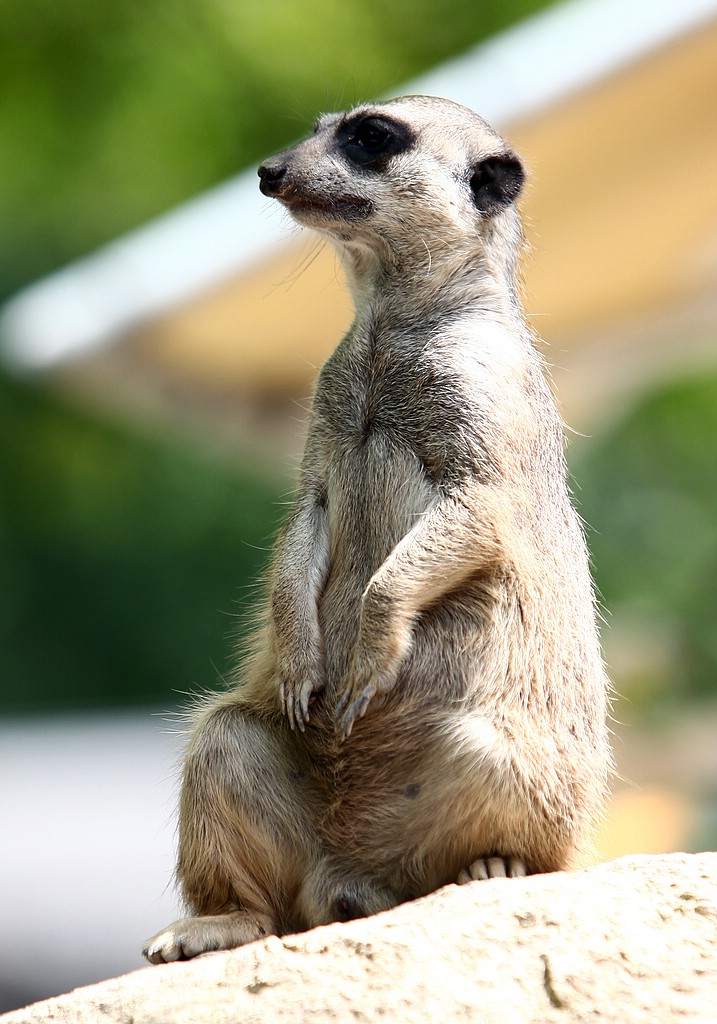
113	112
649	487
126	562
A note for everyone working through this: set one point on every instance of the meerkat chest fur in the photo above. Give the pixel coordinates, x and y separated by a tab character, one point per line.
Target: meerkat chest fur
404	411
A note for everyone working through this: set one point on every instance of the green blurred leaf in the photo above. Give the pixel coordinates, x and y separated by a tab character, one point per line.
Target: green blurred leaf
111	113
124	561
648	488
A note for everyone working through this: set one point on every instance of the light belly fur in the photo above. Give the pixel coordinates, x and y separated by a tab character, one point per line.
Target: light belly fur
376	493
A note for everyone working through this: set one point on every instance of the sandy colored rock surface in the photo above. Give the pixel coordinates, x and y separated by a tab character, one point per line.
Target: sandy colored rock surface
630	941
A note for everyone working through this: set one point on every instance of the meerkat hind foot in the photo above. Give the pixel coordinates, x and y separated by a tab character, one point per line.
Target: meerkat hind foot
493	867
193	936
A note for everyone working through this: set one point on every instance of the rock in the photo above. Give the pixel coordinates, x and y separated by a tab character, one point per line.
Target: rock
634	940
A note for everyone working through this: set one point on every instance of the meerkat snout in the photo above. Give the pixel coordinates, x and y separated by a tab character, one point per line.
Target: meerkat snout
272	172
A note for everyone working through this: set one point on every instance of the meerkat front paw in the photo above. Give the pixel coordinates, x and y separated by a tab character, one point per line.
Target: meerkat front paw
295	693
373	672
365	683
301	675
353	705
493	867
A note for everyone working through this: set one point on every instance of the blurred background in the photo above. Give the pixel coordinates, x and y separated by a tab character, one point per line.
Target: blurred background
161	328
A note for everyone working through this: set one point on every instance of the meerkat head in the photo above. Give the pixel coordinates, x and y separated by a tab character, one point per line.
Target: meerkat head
399	180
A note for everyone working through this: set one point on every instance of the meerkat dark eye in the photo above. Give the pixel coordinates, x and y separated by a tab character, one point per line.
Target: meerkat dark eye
371	136
369	142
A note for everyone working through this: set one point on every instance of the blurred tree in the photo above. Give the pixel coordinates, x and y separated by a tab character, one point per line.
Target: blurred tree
126	562
649	486
112	112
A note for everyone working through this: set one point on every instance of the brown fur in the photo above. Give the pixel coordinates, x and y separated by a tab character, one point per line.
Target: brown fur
426	700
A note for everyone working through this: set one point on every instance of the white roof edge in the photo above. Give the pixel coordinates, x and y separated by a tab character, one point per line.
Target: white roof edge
144	273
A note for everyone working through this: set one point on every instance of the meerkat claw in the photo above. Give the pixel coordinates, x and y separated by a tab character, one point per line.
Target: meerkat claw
493	867
346	716
303	705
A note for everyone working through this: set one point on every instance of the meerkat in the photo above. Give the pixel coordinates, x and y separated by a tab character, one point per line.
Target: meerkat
425	700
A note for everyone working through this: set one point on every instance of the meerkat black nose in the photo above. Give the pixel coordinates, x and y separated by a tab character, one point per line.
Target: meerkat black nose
272	172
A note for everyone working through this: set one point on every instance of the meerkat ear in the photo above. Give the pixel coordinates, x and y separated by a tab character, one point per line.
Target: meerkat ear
496	182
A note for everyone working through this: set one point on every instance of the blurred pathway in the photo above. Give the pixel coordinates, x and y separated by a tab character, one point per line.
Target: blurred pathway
87	850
